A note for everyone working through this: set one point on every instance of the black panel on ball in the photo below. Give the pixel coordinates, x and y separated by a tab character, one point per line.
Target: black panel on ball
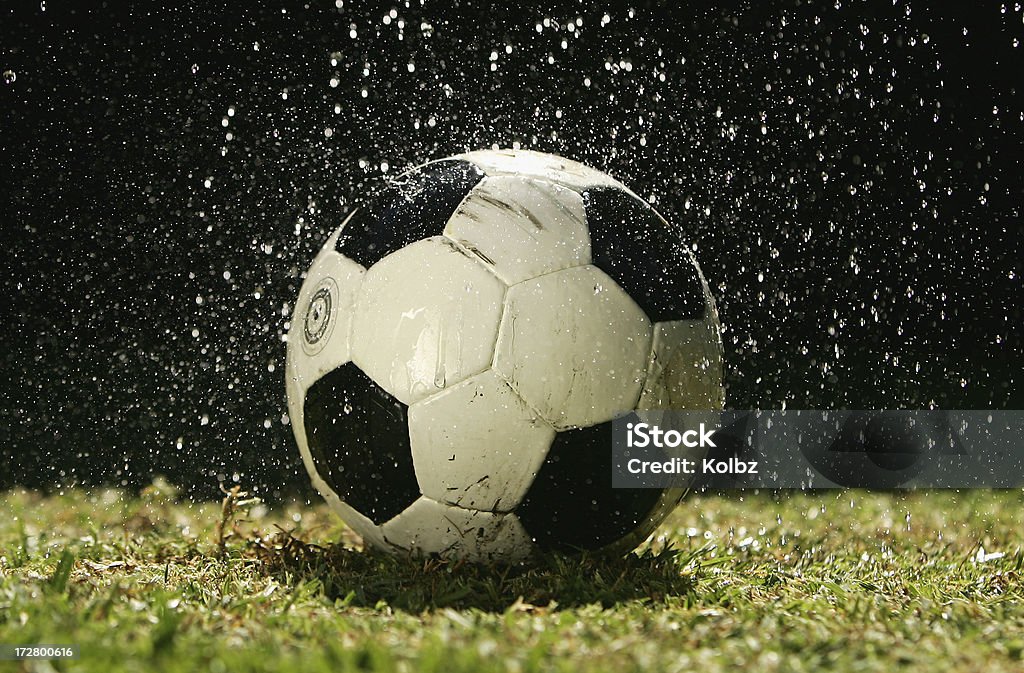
409	208
571	505
358	436
636	247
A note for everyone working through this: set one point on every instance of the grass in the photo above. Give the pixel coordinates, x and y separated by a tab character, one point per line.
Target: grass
846	581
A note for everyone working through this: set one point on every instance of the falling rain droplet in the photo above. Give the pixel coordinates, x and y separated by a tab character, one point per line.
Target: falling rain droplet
9	76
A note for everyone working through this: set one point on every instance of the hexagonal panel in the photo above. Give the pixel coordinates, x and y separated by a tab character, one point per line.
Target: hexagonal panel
430	527
540	165
685	370
521	228
574	346
426	318
318	338
477	445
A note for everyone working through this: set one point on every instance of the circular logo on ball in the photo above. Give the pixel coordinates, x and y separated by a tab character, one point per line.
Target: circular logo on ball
319	320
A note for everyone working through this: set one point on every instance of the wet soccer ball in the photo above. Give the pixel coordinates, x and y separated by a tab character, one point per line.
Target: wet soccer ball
462	343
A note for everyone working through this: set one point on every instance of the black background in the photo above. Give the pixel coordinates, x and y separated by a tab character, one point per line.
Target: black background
848	172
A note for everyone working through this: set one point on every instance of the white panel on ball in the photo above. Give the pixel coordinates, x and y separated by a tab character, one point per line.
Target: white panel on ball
477	444
428	527
425	318
685	371
575	346
322	317
548	167
521	228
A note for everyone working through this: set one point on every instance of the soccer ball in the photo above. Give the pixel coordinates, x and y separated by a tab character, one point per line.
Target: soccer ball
462	343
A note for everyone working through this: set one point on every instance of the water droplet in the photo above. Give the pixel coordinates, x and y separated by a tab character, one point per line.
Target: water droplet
9	76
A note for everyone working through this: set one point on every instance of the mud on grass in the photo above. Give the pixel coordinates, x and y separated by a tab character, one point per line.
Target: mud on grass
847	581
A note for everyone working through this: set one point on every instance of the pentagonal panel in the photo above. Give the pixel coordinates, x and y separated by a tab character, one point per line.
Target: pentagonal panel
685	370
665	505
429	528
425	318
539	165
357	437
521	228
318	338
359	523
572	505
574	346
407	208
477	445
640	251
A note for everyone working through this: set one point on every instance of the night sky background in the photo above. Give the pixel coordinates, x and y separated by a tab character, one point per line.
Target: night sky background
849	174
